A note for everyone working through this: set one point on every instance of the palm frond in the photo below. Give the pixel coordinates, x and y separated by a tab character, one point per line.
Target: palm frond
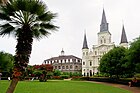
37	7
48	26
4	17
43	32
6	29
48	16
7	9
32	13
40	33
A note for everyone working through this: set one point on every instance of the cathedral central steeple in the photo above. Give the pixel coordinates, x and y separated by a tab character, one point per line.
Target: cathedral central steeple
85	46
104	24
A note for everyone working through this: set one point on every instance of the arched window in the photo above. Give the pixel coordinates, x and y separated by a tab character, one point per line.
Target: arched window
59	67
83	63
90	63
63	67
101	41
86	53
55	67
67	67
90	73
51	62
76	67
104	40
83	53
95	52
84	74
70	66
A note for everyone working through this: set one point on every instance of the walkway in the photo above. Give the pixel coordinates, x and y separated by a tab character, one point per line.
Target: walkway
132	89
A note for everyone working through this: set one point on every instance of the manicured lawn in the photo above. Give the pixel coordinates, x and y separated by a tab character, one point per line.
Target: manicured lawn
61	87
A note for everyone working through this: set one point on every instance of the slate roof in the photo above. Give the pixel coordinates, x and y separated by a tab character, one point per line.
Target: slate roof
104	24
85	46
123	36
61	57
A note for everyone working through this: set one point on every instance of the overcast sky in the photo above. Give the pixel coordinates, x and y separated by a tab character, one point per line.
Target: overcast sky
76	16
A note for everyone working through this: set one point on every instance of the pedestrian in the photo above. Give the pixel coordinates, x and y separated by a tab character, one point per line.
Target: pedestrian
133	82
8	78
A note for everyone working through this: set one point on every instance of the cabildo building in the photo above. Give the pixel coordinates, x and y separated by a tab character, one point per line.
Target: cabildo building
65	63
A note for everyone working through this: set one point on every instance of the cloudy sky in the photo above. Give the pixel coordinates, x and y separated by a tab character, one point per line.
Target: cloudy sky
76	16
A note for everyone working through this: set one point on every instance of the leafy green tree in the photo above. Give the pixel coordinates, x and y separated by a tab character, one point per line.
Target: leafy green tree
6	62
134	55
46	71
37	73
57	73
25	19
114	62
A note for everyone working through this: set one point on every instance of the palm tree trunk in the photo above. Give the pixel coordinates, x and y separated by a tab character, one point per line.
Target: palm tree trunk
12	86
23	52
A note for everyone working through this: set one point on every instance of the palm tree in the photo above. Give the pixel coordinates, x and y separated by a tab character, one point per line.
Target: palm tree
25	19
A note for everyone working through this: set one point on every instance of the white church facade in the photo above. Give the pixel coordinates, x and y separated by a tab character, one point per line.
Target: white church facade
91	58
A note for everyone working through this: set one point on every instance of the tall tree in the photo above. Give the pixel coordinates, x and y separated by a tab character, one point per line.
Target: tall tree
114	62
25	19
134	55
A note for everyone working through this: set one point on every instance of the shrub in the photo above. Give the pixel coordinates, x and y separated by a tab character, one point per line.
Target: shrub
77	74
57	73
56	77
76	78
137	75
64	76
37	73
84	78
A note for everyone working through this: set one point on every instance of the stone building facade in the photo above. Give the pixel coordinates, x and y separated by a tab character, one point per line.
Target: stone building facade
91	58
65	63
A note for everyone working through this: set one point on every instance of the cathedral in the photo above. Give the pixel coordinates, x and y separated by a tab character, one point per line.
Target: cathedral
91	58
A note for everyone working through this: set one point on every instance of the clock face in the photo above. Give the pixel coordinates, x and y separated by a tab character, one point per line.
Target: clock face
103	48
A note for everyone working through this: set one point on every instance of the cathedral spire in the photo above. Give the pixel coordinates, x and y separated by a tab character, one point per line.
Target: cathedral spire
123	36
85	46
104	24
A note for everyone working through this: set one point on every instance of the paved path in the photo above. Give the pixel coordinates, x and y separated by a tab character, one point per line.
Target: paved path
132	89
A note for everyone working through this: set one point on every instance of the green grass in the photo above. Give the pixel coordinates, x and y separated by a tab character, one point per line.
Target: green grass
60	87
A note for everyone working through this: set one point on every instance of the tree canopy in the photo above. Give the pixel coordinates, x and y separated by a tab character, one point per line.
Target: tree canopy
114	62
134	55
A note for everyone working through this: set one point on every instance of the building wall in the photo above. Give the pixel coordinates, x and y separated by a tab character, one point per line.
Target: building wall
65	63
91	59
